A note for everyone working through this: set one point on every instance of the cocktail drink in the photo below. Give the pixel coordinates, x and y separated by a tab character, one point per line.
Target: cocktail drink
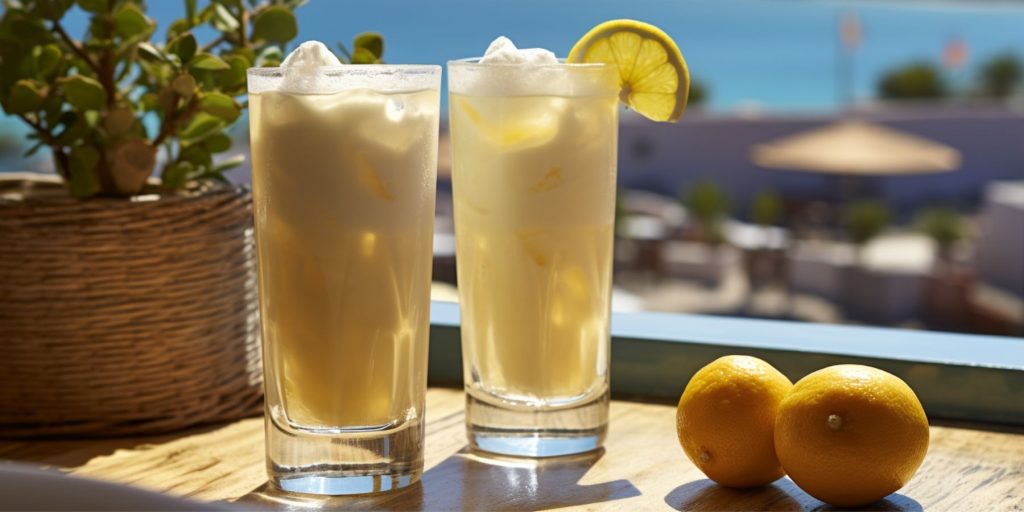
344	166
533	165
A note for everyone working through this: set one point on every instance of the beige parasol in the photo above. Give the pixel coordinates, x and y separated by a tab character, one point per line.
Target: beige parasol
857	148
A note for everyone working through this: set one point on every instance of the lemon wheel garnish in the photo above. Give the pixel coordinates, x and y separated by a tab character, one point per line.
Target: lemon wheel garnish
652	73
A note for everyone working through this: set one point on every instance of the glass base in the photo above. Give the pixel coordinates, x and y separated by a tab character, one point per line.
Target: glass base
347	463
342	484
537	432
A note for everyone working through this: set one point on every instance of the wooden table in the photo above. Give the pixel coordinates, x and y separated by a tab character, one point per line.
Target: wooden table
642	468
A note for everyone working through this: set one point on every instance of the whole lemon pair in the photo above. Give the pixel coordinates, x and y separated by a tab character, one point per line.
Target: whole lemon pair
848	435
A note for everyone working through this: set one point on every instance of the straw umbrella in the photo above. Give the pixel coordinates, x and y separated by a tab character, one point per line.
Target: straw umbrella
857	150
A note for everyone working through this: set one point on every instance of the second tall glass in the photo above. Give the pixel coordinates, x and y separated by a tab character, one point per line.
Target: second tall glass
534	179
344	170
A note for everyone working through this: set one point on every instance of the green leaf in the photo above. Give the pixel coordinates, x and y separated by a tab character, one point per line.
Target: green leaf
184	46
166	98
51	9
25	96
176	175
118	121
30	31
76	128
198	155
52	107
47	58
177	28
149	101
276	24
228	163
22	64
372	42
202	124
234	77
222	19
220	105
153	73
93	6
152	53
184	85
92	118
270	56
363	56
247	53
83	161
129	21
217	143
84	92
208	62
130	163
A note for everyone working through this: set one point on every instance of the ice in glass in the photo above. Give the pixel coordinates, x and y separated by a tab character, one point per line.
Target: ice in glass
344	170
534	161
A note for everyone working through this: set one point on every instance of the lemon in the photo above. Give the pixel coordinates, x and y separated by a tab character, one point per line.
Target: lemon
726	420
653	76
850	435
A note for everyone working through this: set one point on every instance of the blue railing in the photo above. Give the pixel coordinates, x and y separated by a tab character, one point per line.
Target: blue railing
957	376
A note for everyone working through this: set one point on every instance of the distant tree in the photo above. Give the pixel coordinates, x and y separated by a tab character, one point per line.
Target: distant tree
917	80
698	93
708	203
766	208
864	220
945	226
1000	76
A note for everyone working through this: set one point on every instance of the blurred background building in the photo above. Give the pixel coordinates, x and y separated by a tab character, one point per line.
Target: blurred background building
892	192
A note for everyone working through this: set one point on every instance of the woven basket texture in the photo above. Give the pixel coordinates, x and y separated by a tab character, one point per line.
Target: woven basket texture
125	316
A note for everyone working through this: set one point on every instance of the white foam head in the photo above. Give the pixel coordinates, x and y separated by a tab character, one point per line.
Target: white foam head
503	51
505	70
313	69
308	57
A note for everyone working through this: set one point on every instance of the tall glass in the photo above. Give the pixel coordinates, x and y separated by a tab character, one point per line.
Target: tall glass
533	170
344	170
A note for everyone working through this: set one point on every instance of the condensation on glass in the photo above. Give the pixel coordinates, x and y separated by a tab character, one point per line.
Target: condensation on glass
534	178
344	173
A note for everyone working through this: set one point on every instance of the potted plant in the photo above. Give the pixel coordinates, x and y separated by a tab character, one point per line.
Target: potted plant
945	226
947	297
709	258
127	290
870	294
766	262
708	205
865	220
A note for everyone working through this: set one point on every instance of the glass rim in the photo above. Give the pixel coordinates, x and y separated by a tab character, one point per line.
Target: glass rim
345	69
474	62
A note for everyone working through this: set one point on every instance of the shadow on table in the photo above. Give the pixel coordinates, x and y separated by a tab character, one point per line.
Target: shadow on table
783	495
469	481
893	503
71	452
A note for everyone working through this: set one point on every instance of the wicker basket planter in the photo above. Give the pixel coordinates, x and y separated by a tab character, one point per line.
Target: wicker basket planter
124	316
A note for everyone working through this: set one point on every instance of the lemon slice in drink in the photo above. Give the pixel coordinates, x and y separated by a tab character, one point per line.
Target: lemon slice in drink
652	73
